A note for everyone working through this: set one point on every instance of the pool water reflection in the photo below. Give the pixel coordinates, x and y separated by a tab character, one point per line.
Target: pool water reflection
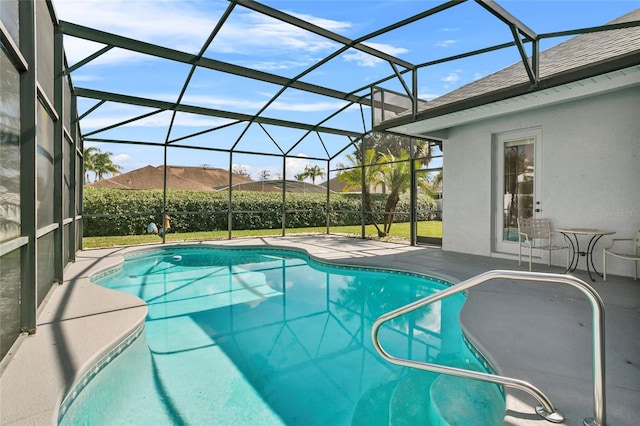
239	336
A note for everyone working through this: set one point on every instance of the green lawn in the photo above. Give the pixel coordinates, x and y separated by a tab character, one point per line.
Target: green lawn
398	231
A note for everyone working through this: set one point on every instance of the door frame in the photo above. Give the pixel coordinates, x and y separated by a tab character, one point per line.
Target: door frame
534	135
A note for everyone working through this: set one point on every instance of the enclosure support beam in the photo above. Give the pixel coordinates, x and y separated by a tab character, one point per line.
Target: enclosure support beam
170	106
58	160
28	187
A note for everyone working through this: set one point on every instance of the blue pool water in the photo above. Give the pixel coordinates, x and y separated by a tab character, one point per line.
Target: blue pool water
270	337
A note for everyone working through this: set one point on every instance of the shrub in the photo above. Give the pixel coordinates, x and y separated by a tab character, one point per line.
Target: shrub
208	210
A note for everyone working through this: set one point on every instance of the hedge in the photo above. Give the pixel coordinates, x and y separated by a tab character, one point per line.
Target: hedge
195	211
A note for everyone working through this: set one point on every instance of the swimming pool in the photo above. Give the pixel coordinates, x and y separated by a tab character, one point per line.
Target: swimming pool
270	336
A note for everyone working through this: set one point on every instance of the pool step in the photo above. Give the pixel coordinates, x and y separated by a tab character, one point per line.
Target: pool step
403	401
465	402
423	398
373	406
409	404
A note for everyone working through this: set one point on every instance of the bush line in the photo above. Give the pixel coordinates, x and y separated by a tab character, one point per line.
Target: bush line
135	209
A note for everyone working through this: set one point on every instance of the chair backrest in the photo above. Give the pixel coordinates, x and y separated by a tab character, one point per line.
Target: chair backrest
535	228
636	240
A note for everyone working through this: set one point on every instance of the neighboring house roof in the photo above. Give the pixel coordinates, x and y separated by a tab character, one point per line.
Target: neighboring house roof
178	177
213	177
335	185
586	56
276	186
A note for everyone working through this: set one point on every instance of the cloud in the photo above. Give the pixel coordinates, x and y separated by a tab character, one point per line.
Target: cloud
282	65
446	43
171	23
250	32
296	165
247	168
77	50
254	105
428	96
327	24
112	113
121	158
451	78
186	25
109	116
366	60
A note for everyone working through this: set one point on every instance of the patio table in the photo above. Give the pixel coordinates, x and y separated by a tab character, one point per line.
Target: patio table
595	235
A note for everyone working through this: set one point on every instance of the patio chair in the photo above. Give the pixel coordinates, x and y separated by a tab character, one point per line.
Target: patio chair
537	234
619	249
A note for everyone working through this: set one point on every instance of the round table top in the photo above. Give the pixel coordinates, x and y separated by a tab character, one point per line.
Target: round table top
586	231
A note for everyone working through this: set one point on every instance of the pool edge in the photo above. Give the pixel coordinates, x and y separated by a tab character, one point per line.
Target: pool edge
78	325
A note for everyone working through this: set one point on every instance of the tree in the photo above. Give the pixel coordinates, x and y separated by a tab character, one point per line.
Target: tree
240	170
387	143
103	165
351	176
99	163
387	163
264	174
313	172
300	177
88	155
396	176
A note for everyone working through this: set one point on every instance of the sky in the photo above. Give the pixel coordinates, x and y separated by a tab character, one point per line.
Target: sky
255	41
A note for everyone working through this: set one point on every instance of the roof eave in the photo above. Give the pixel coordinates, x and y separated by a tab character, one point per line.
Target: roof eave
576	74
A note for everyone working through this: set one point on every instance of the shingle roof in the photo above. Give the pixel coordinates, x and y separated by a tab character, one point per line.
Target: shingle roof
178	177
277	185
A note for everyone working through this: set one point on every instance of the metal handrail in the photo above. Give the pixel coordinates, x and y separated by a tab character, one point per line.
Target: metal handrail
545	409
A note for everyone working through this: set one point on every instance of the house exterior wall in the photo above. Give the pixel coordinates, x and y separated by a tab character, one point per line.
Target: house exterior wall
590	173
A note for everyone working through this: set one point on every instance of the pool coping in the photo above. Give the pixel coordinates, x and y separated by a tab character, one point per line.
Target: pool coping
78	327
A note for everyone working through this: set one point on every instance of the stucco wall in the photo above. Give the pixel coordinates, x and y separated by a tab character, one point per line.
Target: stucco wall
590	172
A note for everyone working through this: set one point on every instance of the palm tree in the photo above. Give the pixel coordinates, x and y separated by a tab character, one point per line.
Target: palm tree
264	174
313	172
103	165
88	156
351	176
396	176
395	144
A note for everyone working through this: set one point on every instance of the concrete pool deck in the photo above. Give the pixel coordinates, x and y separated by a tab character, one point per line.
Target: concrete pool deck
534	331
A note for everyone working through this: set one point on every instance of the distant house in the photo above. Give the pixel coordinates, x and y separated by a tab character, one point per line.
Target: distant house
178	177
335	185
277	185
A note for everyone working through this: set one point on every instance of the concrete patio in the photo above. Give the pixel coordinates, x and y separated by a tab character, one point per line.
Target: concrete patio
535	331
